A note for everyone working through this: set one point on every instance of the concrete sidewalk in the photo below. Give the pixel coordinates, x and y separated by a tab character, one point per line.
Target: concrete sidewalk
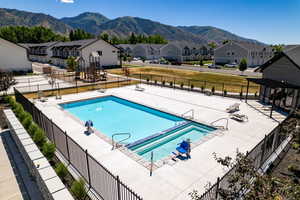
9	188
16	183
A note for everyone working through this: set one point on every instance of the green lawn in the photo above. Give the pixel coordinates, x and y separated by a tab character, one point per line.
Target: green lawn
231	83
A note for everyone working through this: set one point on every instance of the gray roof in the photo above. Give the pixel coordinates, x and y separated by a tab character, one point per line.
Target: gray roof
78	43
292	52
250	46
46	44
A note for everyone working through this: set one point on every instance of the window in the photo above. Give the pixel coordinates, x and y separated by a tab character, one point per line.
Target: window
99	53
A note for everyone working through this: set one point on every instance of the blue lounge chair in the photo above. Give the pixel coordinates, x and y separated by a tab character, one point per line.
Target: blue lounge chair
184	147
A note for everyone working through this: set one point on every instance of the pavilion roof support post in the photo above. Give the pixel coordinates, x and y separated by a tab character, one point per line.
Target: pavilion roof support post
247	90
273	102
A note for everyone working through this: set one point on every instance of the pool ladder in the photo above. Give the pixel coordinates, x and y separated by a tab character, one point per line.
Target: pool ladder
223	127
114	143
188	116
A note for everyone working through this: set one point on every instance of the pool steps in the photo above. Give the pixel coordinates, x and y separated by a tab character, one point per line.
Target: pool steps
175	134
151	137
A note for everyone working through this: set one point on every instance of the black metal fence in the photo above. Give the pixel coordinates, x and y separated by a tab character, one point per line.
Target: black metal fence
259	155
101	180
218	88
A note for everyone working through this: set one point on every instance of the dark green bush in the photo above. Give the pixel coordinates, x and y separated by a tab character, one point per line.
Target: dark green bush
39	137
27	122
7	98
61	170
48	150
24	115
78	189
225	92
18	109
32	129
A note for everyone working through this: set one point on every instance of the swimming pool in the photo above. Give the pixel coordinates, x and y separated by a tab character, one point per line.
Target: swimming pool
150	129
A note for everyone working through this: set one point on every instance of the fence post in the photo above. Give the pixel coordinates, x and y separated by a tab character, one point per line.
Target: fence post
118	186
118	81
263	151
88	167
67	145
52	132
217	189
140	78
174	83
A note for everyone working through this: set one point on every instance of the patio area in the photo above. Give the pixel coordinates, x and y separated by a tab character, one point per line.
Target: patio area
172	180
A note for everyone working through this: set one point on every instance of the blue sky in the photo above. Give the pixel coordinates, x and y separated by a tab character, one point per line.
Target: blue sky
269	21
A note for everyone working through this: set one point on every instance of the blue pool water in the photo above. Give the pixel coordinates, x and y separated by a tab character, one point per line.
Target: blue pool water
112	115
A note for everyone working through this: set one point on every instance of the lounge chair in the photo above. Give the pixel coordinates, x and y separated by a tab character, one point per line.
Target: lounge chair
239	117
233	108
184	148
138	88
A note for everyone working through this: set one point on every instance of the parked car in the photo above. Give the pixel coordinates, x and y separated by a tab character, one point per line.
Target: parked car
232	65
213	66
154	62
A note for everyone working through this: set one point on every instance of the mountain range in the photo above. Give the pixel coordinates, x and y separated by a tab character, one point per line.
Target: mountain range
96	23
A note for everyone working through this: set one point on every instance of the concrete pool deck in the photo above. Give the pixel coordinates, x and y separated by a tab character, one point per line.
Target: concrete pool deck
169	181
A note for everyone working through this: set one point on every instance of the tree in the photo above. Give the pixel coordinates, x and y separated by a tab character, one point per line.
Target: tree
105	37
6	80
132	39
225	41
72	64
243	65
277	48
80	34
212	45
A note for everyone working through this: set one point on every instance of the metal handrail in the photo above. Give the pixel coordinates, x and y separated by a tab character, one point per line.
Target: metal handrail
191	110
226	128
114	143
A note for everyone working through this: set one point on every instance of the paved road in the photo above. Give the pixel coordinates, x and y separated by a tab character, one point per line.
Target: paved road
201	69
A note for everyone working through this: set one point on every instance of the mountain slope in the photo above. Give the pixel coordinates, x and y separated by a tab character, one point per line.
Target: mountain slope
214	34
87	21
124	26
12	17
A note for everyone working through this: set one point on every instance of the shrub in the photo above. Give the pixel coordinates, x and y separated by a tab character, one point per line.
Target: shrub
225	92
296	146
78	189
27	121
202	88
32	129
39	137
7	98
163	82
213	89
293	168
155	82
192	86
48	150
171	83
18	109
61	170
181	85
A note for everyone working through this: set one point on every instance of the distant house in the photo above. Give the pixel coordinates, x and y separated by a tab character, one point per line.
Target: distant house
177	51
13	57
83	49
126	49
40	52
280	83
234	52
